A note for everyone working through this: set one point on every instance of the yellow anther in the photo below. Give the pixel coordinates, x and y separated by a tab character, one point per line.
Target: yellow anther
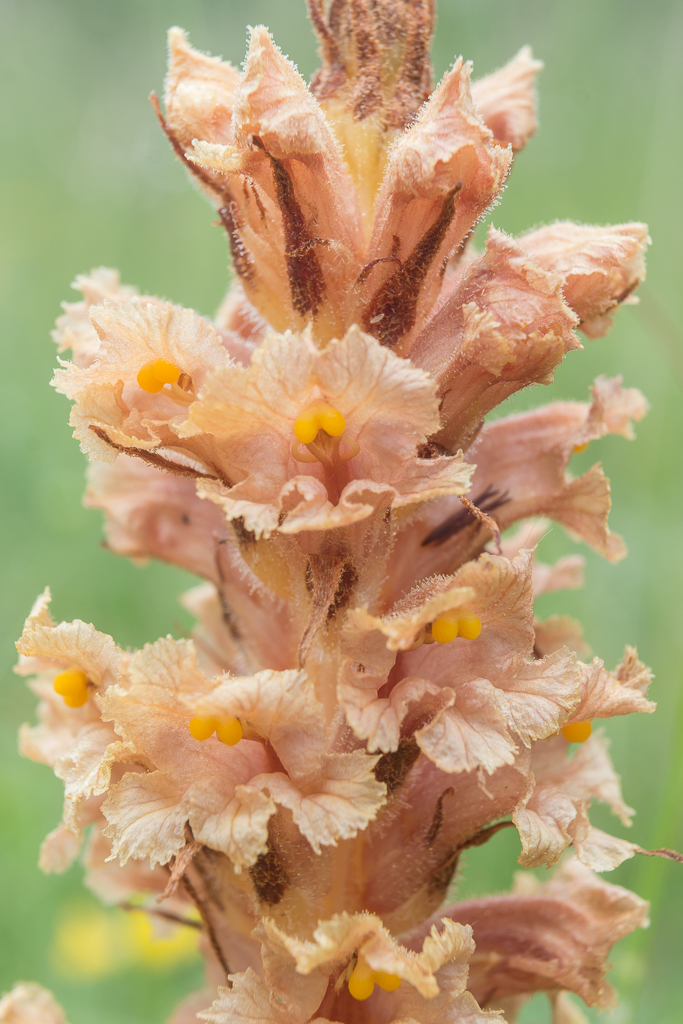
228	730
451	624
577	732
72	685
167	373
580	447
444	629
157	372
469	626
389	982
362	981
318	416
202	726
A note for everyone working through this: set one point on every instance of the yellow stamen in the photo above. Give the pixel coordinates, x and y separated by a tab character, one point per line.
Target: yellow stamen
451	624
580	447
444	629
228	730
363	980
72	685
166	372
157	372
469	626
389	982
318	416
577	732
201	727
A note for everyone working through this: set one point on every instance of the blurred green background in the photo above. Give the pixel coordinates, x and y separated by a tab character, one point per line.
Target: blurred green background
88	179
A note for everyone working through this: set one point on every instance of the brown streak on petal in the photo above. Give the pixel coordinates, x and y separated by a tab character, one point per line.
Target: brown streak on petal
180	866
485	520
306	281
269	877
415	78
241	257
228	213
487	501
203	909
396	300
437	820
662	852
154	459
392	769
485	834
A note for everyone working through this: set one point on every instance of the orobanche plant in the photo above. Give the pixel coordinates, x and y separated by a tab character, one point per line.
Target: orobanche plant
368	692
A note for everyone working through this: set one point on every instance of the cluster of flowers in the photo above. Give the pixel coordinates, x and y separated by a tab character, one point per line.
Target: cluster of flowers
368	692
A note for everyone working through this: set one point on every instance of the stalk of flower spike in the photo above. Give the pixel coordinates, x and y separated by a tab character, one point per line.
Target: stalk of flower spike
368	692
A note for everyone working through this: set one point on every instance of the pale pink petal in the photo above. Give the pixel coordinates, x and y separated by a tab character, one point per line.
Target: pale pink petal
153	514
339	801
504	326
29	1003
506	100
282	707
622	692
600	266
199	93
548	936
441	176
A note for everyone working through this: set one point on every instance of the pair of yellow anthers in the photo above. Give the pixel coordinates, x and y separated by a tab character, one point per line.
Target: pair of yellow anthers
577	732
228	730
72	686
363	980
451	624
319	416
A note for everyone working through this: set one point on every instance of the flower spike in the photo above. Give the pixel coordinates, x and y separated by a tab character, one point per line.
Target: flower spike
368	690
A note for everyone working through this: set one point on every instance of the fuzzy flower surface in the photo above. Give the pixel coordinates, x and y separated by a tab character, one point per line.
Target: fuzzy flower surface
368	691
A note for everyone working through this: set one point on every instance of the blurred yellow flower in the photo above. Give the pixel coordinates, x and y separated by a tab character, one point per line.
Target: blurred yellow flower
92	943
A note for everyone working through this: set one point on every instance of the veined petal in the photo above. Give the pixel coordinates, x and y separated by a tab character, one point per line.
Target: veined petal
621	692
112	410
336	803
554	816
282	707
74	329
